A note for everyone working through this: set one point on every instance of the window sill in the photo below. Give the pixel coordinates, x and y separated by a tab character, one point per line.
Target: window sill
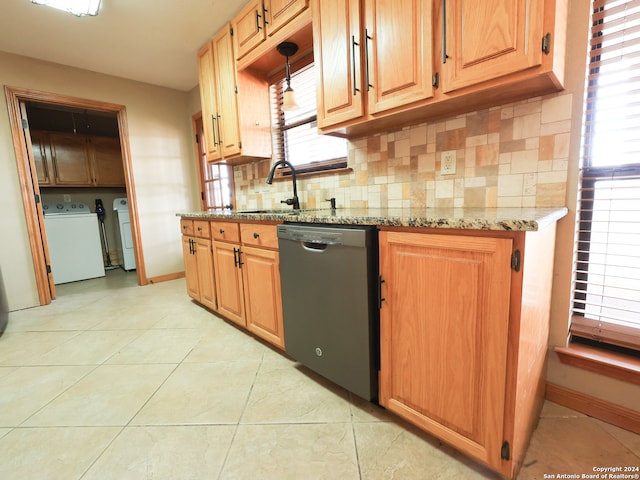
612	364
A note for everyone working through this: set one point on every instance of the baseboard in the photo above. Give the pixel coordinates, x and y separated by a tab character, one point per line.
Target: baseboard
594	407
165	278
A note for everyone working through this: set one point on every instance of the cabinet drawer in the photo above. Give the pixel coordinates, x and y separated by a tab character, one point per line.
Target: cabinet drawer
186	226
225	231
259	235
201	228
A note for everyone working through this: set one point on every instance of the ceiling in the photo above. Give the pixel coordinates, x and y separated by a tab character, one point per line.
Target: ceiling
151	41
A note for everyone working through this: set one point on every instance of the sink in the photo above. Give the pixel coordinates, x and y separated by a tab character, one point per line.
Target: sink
275	212
281	211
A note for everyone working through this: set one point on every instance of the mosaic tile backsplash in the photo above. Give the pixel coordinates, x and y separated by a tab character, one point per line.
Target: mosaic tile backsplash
515	155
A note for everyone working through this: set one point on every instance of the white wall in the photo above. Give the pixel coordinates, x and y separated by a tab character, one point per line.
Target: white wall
162	154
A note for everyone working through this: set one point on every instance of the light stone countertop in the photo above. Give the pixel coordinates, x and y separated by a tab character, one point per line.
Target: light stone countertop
497	219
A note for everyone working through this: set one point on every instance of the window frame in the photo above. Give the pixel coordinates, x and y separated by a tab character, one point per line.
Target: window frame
336	165
583	328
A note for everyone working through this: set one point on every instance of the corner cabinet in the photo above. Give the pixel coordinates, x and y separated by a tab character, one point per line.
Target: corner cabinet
463	331
387	64
235	105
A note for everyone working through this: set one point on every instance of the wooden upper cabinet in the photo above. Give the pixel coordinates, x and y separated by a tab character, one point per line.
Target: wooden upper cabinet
398	47
444	330
365	72
206	81
106	161
279	12
227	119
248	28
69	155
235	104
76	160
41	156
260	19
336	49
490	39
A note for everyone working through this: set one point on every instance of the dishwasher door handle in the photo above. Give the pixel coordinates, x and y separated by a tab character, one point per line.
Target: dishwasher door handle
317	246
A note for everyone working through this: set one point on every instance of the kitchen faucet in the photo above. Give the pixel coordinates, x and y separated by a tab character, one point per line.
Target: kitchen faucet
289	201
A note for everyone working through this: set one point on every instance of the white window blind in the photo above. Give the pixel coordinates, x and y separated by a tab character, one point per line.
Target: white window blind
607	271
295	135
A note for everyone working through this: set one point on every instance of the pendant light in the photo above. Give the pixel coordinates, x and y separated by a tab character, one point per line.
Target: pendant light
288	49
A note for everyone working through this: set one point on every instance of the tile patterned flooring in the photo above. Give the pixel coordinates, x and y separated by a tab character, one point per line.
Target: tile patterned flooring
116	381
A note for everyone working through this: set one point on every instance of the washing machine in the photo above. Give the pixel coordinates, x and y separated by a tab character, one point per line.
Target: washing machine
73	238
125	248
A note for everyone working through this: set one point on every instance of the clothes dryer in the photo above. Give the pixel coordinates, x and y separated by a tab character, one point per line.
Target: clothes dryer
125	249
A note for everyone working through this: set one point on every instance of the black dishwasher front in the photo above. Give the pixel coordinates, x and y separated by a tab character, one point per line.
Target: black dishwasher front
329	278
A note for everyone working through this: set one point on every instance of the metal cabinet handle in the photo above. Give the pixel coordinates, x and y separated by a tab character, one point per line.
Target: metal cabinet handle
236	258
213	129
199	229
219	133
256	234
444	31
354	44
184	227
221	231
366	57
258	16
264	16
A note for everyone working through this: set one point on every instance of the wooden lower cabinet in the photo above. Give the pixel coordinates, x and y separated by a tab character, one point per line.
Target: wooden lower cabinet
462	341
262	294
227	265
240	279
198	262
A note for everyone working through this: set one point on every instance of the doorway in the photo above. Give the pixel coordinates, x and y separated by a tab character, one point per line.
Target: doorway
19	102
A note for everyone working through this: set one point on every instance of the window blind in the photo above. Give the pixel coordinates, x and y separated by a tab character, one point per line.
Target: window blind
295	134
606	304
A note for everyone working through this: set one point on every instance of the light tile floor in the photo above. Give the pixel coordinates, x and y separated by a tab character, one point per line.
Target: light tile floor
116	381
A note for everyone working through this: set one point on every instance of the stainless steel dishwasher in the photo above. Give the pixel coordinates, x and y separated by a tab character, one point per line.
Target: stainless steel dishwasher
329	278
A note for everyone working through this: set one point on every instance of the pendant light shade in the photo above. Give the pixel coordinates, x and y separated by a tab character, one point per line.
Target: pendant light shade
80	8
288	49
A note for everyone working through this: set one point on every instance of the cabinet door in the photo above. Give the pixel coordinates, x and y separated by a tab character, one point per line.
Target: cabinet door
227	93
208	102
489	39
206	282
41	156
443	333
337	46
398	48
248	27
229	281
70	161
190	267
262	294
279	12
106	161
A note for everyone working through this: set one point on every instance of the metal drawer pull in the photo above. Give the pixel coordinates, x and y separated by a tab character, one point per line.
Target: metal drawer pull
256	234
221	231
